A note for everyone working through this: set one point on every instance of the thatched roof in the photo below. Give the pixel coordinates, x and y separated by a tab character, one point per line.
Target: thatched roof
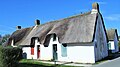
111	34
18	36
76	29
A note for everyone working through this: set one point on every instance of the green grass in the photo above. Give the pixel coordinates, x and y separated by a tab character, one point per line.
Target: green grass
35	63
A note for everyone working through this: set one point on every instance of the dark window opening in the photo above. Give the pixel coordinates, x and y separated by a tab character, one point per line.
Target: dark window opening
54	37
55	47
65	45
95	44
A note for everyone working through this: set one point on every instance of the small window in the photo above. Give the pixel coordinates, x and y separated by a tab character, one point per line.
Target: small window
95	45
54	37
64	50
55	47
109	45
32	50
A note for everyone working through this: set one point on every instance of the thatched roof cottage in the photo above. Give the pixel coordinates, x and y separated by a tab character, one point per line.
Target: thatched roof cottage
113	40
81	38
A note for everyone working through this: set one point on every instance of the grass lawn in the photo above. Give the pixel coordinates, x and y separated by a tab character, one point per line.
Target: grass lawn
35	63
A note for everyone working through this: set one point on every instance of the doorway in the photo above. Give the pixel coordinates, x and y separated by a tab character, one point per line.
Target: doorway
38	51
55	57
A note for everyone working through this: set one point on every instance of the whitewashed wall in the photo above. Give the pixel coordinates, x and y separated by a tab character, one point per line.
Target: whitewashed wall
35	56
27	50
100	41
47	52
81	54
114	45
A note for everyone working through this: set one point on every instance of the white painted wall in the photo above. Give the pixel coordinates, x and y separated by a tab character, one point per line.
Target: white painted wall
81	54
35	49
27	50
114	44
101	50
47	52
12	44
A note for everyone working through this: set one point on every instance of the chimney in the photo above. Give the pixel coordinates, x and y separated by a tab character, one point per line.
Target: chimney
37	22
95	8
18	27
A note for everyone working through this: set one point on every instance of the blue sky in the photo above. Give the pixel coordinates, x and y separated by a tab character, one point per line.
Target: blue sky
24	12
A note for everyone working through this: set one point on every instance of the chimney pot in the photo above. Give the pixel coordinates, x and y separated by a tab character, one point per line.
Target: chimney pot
18	27
95	6
37	22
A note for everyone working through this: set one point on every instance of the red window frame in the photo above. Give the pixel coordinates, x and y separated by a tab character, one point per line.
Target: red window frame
32	50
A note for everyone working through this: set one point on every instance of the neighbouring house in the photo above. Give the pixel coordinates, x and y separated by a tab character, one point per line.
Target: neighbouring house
81	38
113	40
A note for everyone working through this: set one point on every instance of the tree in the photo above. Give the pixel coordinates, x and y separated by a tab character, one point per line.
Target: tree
4	38
0	36
0	39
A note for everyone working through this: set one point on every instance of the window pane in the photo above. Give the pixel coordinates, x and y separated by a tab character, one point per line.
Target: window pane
54	37
64	50
109	45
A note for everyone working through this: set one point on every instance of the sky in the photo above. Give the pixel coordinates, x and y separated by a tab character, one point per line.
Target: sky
25	12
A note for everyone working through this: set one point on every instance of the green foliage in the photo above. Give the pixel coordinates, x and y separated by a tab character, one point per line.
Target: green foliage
10	56
4	38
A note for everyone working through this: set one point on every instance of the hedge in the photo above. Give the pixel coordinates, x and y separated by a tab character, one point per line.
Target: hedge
10	56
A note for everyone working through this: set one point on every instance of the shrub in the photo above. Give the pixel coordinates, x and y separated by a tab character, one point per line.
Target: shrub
10	56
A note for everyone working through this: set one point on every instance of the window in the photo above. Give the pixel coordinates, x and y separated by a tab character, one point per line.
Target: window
109	46
55	47
32	50
95	44
54	37
64	50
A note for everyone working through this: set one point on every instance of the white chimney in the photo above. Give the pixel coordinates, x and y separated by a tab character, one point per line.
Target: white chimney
95	8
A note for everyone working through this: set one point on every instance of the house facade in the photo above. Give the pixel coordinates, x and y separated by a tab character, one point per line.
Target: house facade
81	38
113	40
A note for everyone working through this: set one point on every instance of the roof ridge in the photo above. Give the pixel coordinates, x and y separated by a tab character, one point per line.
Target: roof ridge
85	13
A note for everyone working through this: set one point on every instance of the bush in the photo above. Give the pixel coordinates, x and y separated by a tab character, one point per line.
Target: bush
10	56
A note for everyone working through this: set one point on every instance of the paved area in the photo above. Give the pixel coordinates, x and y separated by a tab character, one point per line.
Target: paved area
109	63
68	63
114	62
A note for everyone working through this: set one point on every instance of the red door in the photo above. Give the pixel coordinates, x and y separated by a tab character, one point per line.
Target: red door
38	49
38	53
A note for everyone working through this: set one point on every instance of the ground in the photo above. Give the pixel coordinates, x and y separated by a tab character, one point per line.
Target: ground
37	63
111	61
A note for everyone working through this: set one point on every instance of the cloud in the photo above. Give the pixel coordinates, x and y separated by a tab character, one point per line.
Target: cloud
113	17
99	2
1	31
8	27
103	3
